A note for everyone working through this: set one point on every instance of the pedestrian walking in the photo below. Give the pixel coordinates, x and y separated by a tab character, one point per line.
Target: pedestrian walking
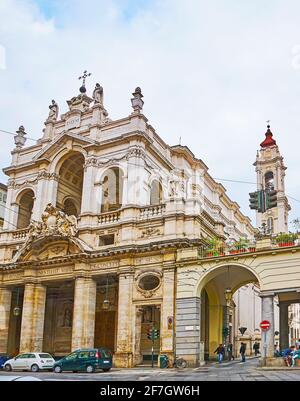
220	351
230	352
256	348
243	351
288	355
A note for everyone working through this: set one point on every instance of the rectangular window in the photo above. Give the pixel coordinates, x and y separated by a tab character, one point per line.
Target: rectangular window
106	240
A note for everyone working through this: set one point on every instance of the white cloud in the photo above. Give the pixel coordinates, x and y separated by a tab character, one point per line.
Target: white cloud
211	72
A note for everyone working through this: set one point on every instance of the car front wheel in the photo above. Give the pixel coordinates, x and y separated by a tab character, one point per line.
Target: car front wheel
57	369
34	368
90	369
8	368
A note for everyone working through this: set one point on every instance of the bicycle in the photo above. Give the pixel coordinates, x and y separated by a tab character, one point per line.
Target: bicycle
180	363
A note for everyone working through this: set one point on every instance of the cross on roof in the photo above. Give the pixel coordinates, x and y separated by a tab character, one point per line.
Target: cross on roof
84	76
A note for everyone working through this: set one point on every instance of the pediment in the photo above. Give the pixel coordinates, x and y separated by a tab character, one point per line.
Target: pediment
46	248
58	141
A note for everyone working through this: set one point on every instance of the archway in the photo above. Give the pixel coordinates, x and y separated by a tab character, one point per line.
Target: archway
26	202
69	192
218	291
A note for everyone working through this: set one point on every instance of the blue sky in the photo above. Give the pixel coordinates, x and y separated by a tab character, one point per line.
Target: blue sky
211	72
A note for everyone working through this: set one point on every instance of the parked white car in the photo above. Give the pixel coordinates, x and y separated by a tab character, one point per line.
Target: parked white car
33	361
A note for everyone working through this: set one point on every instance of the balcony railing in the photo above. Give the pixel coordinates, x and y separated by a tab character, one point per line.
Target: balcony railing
109	218
20	234
262	244
152	211
224	251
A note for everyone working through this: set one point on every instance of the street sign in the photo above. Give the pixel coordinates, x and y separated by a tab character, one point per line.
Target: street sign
242	330
265	325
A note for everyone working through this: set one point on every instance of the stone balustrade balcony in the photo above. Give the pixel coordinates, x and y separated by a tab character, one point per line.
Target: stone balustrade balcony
152	211
264	243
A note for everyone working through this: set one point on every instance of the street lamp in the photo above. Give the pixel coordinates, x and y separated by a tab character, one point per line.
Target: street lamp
228	296
106	302
17	309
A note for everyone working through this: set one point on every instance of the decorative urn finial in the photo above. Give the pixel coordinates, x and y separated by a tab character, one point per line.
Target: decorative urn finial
136	101
20	138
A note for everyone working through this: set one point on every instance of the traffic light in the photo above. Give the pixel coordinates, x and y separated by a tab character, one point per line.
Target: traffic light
254	202
155	334
225	331
149	334
258	201
271	199
152	334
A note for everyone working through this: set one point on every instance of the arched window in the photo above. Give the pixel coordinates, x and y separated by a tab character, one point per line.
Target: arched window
25	209
269	181
156	193
270	225
112	190
69	192
70	208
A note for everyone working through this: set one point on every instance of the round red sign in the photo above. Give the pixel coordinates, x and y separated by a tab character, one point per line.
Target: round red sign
265	325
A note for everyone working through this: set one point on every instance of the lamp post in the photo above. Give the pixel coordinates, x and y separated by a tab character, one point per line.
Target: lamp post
226	331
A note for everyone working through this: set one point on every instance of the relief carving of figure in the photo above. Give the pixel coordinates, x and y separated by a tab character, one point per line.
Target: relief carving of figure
53	113
67	321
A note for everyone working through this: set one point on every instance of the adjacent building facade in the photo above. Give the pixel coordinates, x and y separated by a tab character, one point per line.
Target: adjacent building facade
3	195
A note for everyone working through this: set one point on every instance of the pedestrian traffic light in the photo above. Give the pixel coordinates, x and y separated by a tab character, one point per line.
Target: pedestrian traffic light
271	199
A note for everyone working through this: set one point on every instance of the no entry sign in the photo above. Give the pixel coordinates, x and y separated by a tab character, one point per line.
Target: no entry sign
265	325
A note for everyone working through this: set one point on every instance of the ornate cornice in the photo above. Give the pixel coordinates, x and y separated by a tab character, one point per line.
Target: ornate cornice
42	175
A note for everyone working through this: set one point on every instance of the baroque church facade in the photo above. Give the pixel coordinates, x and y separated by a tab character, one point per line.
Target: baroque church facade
99	216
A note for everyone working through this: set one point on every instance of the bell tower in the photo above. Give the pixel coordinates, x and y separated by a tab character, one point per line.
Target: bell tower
270	171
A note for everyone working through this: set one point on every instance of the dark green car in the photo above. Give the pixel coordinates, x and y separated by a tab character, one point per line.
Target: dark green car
85	360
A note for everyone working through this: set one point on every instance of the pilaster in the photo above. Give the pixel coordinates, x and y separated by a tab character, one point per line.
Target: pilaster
5	307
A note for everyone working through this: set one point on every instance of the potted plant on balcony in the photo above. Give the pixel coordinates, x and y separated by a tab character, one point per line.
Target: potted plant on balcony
241	245
286	239
215	247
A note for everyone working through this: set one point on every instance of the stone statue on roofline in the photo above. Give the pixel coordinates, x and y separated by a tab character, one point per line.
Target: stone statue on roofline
98	94
53	113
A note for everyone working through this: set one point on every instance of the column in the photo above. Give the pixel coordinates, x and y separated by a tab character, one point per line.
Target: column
167	314
188	330
283	325
32	326
11	212
124	355
267	313
5	306
138	358
83	330
41	200
52	189
89	203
